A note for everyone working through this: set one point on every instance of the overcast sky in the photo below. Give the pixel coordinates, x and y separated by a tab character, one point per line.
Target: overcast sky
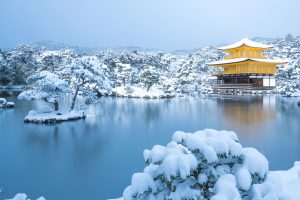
162	24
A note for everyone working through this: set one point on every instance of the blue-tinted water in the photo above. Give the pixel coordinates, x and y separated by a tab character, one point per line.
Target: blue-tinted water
95	158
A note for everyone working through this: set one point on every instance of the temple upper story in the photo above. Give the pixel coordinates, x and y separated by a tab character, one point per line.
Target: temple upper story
247	57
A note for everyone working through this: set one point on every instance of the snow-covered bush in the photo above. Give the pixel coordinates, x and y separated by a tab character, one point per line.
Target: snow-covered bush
207	164
45	86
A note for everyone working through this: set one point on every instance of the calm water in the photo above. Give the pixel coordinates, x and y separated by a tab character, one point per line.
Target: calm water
95	158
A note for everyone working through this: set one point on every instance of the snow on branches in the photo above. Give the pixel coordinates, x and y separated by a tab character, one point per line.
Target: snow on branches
207	164
45	86
87	79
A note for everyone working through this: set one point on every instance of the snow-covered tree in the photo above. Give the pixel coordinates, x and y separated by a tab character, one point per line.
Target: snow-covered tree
123	73
88	79
56	61
22	62
5	74
149	76
288	79
208	165
45	86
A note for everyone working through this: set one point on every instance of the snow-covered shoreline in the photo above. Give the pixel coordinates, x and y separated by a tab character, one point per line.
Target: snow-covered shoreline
138	92
13	87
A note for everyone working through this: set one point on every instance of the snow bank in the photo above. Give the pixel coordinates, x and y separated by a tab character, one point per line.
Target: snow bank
139	92
5	104
53	117
22	196
279	185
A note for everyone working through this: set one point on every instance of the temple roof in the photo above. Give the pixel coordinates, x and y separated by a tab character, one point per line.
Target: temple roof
236	60
246	42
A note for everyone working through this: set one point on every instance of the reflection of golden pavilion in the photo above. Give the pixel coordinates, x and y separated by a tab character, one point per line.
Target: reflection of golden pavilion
251	111
246	66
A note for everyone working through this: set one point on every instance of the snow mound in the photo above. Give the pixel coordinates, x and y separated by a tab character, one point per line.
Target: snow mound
207	164
279	185
225	189
52	117
22	196
139	92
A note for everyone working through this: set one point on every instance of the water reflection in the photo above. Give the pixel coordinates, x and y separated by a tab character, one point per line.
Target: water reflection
92	154
248	111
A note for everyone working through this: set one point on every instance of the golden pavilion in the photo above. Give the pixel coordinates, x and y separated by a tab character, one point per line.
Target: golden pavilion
246	67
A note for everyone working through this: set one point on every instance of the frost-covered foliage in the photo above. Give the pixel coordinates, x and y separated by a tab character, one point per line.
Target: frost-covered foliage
289	79
21	63
88	79
207	164
45	86
56	61
149	76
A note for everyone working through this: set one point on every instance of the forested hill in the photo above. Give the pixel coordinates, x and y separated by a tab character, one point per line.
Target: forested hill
183	72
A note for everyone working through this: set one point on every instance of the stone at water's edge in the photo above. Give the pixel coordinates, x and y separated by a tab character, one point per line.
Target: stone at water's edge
5	104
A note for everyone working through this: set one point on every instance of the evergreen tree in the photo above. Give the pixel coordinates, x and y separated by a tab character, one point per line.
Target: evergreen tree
45	86
149	76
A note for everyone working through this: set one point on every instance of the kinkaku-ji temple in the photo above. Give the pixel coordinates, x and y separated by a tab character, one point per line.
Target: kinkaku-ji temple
245	67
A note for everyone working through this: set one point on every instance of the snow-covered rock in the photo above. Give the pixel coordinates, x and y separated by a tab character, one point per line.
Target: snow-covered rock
22	196
53	117
2	101
5	104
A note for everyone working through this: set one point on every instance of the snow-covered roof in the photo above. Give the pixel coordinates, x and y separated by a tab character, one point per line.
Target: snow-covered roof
236	60
246	42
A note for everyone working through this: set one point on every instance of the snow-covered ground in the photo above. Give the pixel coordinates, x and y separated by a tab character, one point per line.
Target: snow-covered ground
210	164
280	185
53	116
139	92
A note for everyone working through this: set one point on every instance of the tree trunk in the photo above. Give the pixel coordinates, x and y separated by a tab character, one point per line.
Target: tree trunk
74	98
149	86
56	107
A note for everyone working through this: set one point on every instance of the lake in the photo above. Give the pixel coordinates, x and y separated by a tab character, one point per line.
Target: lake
95	158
